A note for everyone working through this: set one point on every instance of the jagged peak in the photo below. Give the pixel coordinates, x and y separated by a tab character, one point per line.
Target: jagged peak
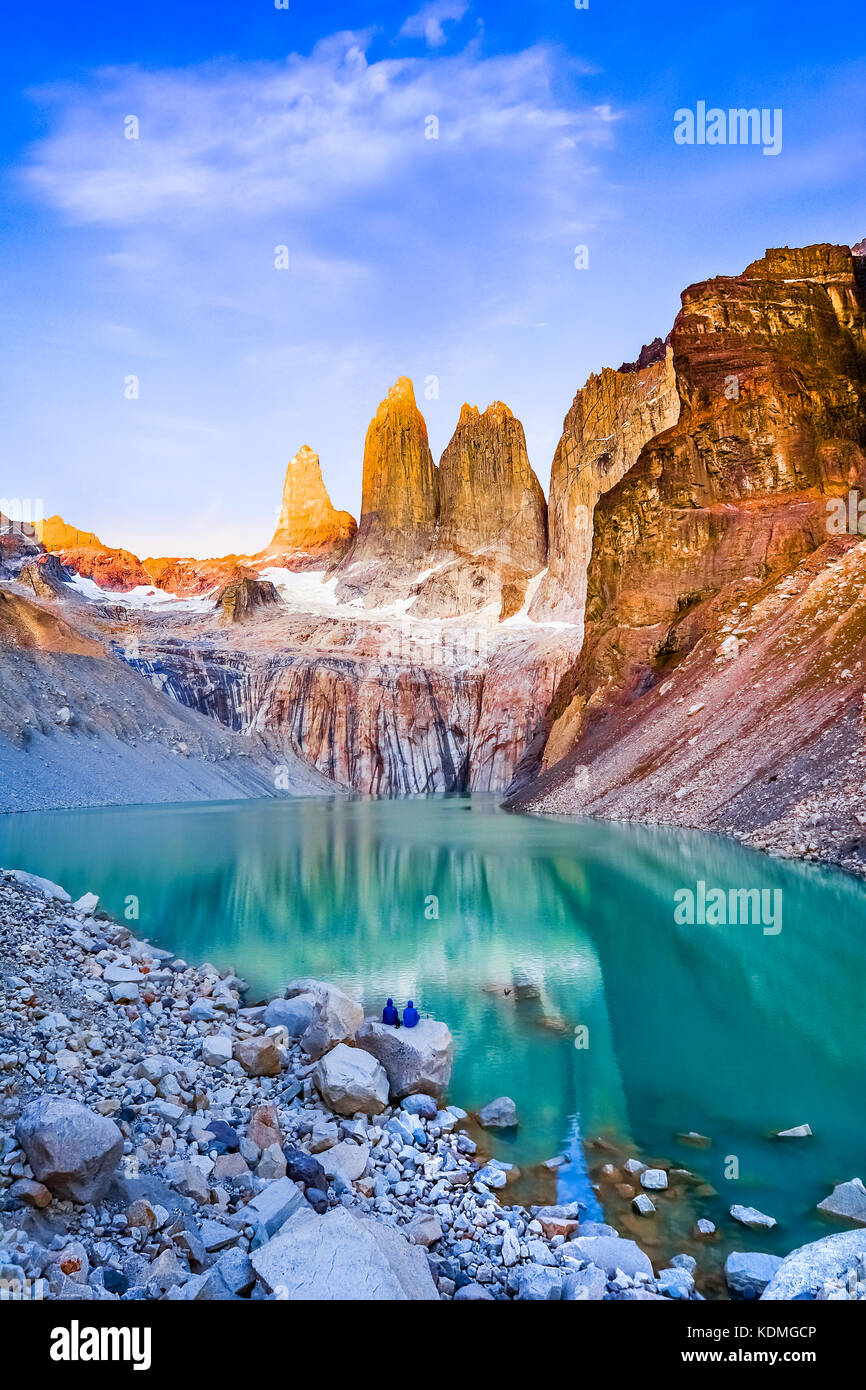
496	408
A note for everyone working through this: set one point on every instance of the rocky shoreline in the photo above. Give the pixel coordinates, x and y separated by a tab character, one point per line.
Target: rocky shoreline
159	1139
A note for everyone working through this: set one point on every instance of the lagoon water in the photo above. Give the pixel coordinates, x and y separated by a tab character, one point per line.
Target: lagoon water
724	1029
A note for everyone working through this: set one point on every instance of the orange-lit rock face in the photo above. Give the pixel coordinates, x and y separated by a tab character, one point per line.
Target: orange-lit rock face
492	533
113	570
613	416
190	578
311	533
55	534
399	503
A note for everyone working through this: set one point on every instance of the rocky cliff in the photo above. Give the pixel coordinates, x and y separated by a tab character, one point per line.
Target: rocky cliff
613	416
771	371
492	532
311	533
399	504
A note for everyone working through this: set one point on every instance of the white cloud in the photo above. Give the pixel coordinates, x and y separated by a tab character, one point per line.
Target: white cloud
242	141
428	22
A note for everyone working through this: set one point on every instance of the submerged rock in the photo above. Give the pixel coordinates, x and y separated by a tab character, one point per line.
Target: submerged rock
499	1114
754	1219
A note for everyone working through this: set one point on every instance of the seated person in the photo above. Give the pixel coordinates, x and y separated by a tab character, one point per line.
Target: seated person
390	1014
410	1015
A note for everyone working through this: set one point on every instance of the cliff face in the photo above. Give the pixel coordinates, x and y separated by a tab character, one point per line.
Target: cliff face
492	532
117	571
399	504
612	418
311	533
771	371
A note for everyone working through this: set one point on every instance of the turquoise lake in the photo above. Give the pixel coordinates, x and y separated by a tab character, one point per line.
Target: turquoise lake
727	1030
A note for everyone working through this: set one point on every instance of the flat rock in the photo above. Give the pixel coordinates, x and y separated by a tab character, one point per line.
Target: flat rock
754	1219
611	1253
344	1257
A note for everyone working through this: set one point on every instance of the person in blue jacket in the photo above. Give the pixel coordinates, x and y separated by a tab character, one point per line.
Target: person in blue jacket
390	1014
410	1015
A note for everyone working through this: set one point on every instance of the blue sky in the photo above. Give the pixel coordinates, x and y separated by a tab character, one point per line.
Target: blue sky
450	259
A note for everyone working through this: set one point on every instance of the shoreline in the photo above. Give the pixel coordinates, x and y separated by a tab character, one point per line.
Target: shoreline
209	1193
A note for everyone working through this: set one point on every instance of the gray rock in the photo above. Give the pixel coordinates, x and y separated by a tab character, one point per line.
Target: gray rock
35	884
499	1114
295	1015
754	1219
847	1200
422	1105
798	1132
347	1160
642	1205
538	1283
805	1270
748	1273
71	1149
351	1081
473	1293
611	1253
216	1050
336	1017
416	1059
675	1283
654	1179
581	1285
273	1206
341	1256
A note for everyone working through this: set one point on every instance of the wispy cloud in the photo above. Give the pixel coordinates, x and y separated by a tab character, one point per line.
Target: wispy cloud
429	22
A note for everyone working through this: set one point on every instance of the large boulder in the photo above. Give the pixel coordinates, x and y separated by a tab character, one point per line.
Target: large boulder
351	1081
70	1149
341	1256
416	1059
336	1017
804	1272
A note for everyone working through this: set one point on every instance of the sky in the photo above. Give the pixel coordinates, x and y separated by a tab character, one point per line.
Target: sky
162	359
